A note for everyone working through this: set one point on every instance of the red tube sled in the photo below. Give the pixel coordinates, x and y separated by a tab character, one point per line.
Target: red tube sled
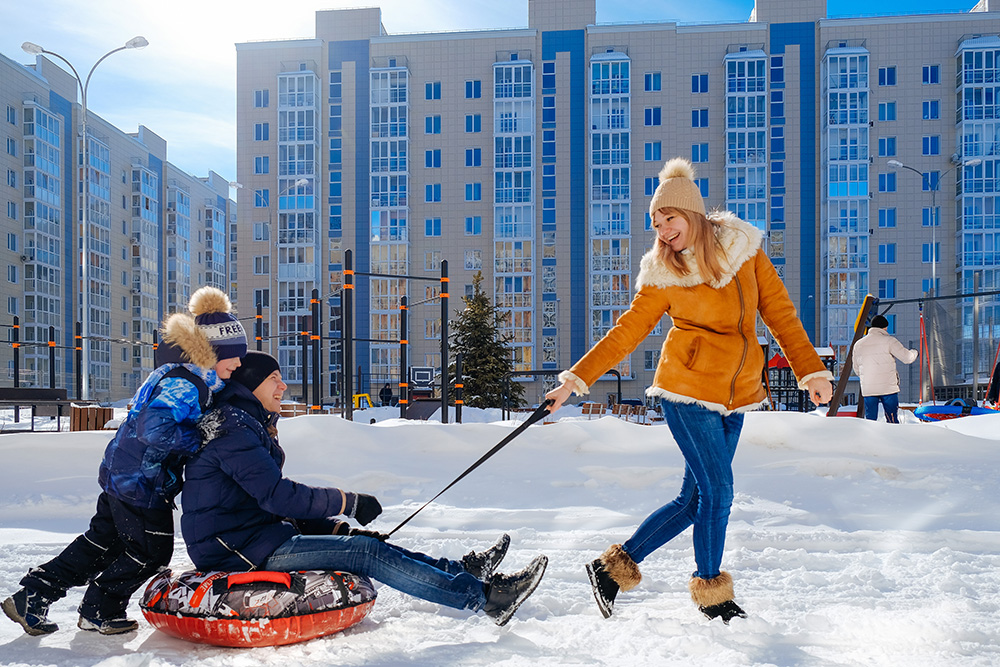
262	608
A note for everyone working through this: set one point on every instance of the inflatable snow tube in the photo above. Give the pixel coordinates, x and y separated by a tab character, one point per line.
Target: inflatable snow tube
956	407
262	608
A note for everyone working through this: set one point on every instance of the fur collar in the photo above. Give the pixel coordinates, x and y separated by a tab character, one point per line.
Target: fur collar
181	330
740	242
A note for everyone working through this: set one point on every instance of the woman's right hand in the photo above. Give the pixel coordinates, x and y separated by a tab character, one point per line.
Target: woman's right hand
558	396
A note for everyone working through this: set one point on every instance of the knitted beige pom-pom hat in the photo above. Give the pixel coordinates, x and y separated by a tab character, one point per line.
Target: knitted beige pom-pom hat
677	188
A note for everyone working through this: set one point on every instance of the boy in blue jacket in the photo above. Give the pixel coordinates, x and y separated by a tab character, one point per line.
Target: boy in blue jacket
131	536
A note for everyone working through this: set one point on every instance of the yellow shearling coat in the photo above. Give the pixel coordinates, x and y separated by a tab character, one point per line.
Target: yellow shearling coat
710	355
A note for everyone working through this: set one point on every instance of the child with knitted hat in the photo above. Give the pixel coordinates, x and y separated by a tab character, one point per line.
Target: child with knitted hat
708	272
131	536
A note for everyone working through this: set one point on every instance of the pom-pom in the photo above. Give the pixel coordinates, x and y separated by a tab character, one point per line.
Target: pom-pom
677	167
209	300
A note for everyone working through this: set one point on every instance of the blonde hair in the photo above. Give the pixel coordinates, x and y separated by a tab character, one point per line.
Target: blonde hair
703	242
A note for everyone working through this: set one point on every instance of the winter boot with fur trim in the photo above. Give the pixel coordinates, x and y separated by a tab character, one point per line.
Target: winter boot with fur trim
714	597
614	570
483	564
506	592
31	611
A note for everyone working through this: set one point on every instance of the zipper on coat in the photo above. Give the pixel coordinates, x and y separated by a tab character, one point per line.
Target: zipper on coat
743	357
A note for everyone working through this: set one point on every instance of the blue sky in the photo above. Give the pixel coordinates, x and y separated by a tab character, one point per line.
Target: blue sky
182	86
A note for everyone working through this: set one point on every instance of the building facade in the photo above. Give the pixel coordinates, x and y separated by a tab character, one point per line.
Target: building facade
154	233
530	155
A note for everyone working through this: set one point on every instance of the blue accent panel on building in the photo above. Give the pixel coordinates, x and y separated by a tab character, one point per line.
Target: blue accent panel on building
804	36
357	52
156	166
574	42
64	108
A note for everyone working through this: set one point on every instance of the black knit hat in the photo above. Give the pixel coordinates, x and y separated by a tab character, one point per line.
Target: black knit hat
879	322
254	368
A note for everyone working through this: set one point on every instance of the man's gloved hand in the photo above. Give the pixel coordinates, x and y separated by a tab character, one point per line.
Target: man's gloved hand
361	532
366	508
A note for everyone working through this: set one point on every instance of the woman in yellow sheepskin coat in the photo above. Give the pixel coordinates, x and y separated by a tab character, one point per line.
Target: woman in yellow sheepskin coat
710	275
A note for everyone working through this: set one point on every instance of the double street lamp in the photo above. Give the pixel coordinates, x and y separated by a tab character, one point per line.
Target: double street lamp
934	186
84	171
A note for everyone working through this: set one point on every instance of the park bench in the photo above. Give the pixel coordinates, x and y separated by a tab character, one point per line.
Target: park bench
44	402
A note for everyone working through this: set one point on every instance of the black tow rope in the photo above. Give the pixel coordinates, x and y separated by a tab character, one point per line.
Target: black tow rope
536	416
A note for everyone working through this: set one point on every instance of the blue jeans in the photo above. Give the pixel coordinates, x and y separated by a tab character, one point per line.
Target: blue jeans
434	579
890	402
707	440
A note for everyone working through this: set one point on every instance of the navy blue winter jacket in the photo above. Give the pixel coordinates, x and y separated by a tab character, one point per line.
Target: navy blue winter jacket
237	506
143	463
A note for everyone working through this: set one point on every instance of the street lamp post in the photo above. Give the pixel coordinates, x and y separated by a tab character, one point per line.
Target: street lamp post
935	221
34	49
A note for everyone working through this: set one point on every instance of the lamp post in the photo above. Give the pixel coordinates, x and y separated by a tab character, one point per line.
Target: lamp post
34	49
935	221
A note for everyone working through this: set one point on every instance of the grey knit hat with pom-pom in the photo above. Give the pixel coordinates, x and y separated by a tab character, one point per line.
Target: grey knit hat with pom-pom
677	188
212	312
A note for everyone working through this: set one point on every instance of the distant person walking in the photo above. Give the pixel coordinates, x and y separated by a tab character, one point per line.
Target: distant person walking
385	395
875	358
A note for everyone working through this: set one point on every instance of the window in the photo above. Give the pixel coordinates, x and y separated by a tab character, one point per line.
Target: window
260	98
12	274
702	184
887	111
473	260
261	164
473	225
12	210
473	123
432	227
261	198
930	180
887	253
432	90
432	158
887	76
473	192
12	178
932	145
261	231
930	217
887	182
473	157
651	82
699	83
12	241
261	132
925	253
652	116
11	147
886	146
473	90
931	74
432	260
887	288
699	118
931	109
925	286
649	186
11	115
432	125
887	217
261	265
699	153
432	192
652	151
650	359
12	305
262	298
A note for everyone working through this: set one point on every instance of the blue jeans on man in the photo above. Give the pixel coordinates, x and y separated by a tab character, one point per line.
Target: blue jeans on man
434	579
707	439
890	403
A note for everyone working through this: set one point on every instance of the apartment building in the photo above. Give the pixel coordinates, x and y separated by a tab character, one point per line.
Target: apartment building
153	234
530	154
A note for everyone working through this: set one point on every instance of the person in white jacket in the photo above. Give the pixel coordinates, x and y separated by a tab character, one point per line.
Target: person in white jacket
875	358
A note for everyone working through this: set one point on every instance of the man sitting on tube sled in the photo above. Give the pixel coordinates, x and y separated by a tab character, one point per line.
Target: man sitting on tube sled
240	513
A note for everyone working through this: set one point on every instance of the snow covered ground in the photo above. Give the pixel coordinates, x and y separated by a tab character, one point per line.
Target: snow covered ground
851	542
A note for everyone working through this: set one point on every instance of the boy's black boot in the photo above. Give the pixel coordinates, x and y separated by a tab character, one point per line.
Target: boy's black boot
30	610
604	587
113	626
483	564
506	592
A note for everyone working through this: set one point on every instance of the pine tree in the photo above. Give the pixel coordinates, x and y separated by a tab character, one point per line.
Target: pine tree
487	361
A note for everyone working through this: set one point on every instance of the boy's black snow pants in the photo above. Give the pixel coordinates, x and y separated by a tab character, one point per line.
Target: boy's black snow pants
124	546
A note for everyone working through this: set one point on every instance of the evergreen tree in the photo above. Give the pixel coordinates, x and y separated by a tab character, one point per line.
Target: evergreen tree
487	360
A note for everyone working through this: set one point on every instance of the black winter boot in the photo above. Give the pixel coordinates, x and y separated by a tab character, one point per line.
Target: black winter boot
113	626
31	611
506	592
483	564
728	610
604	587
714	597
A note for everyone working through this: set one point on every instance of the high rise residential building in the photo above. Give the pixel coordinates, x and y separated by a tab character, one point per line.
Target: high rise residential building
155	233
530	155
